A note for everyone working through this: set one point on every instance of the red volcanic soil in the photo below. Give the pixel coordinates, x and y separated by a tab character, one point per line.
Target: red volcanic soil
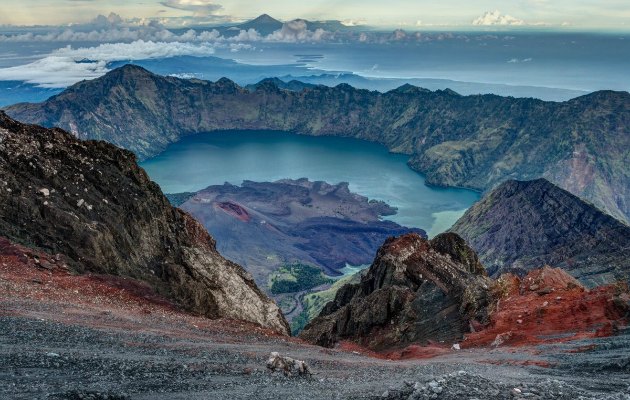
100	301
546	306
234	210
414	352
549	305
418	352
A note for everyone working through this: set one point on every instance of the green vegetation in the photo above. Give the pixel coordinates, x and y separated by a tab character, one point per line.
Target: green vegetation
313	303
297	277
299	322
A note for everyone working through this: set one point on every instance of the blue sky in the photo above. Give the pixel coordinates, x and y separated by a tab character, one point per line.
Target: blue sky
586	14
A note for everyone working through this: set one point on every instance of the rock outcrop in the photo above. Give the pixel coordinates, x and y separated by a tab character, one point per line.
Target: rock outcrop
90	202
416	291
550	305
521	226
466	141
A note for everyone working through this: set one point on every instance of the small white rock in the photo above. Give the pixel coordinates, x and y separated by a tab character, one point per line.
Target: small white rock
80	202
456	347
44	192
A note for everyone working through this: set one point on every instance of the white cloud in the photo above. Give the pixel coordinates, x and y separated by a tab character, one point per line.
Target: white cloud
517	60
353	22
66	66
296	31
493	18
102	21
250	35
111	30
199	7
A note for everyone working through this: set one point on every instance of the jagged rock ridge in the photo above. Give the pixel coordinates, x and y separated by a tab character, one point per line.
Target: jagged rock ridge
521	226
468	141
415	291
90	202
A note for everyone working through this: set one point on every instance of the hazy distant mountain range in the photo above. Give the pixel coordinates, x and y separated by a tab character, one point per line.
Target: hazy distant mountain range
469	141
266	25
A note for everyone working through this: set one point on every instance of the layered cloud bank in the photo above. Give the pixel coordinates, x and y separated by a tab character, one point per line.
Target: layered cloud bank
84	51
66	66
125	41
114	29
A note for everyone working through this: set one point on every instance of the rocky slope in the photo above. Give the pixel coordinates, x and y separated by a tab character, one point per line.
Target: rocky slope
89	203
550	305
114	342
468	141
420	297
521	226
416	291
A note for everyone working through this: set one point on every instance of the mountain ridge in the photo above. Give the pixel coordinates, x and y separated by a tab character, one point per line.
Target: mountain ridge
523	225
474	142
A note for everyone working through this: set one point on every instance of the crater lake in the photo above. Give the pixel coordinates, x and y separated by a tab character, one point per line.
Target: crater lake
201	160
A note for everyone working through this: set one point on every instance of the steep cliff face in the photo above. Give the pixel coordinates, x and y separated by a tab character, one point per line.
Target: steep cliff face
468	141
415	291
521	226
91	203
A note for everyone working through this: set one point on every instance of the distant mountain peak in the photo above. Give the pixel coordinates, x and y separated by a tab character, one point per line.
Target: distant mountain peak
126	72
408	88
129	68
264	18
263	24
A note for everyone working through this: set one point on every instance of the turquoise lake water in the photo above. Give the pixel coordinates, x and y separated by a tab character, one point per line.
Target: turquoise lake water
207	159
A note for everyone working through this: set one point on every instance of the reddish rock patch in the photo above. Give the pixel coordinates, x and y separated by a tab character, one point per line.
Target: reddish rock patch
234	210
418	352
413	352
549	305
30	277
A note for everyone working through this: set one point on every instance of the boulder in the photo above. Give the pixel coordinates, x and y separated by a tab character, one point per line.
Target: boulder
287	365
